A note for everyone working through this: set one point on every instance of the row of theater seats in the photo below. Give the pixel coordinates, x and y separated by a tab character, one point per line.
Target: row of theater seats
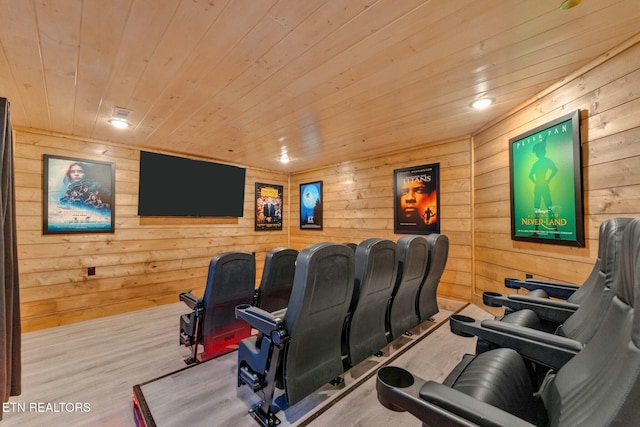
345	306
569	361
231	282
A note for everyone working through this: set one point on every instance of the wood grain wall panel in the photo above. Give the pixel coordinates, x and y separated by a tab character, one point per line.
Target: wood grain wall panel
610	113
138	265
358	204
148	263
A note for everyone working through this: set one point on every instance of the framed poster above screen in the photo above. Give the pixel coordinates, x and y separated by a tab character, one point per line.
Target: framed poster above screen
546	183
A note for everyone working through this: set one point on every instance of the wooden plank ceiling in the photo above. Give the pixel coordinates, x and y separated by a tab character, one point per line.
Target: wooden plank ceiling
241	81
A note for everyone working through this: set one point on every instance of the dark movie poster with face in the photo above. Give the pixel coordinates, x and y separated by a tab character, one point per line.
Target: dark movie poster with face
78	195
417	199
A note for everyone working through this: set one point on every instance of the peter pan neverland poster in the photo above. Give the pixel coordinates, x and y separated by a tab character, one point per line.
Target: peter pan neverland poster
546	183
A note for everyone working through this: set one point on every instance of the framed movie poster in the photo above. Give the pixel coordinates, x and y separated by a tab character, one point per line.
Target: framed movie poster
78	195
268	212
417	199
311	206
546	183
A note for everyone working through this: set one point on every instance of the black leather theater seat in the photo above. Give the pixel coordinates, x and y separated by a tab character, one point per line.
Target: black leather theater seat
598	387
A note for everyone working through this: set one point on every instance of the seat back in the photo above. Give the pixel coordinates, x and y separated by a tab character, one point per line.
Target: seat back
426	303
277	279
600	386
322	290
376	266
413	256
581	293
231	281
582	324
352	245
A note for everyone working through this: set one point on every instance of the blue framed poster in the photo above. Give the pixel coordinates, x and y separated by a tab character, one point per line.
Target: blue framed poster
311	206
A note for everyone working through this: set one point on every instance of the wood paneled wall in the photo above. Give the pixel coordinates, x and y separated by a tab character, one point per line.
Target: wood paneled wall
144	265
138	266
609	100
358	204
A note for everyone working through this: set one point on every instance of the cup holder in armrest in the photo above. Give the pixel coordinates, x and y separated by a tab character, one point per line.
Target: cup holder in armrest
242	306
390	379
457	323
395	377
491	299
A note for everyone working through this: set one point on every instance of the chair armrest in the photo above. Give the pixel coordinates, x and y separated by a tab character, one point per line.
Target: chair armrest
547	309
260	319
540	347
468	408
191	301
436	404
553	289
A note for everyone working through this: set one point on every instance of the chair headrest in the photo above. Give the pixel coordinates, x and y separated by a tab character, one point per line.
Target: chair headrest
628	264
628	290
438	245
413	254
324	276
231	275
368	245
608	229
367	250
283	251
610	246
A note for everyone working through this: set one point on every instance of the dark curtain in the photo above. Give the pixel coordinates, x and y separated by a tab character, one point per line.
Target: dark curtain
10	361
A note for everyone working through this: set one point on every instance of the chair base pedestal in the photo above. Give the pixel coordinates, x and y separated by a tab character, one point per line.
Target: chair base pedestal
264	419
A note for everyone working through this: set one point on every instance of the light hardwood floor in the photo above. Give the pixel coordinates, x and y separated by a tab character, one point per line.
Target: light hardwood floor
95	364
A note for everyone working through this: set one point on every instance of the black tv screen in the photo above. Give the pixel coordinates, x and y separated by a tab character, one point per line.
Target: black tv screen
176	186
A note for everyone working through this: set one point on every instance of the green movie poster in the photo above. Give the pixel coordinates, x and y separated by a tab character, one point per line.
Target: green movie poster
546	187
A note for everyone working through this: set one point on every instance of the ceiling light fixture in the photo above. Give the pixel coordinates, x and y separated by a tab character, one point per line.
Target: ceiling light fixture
119	123
119	118
284	158
482	103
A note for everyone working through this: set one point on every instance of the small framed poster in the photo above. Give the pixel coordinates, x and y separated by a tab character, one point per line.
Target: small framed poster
268	213
417	199
311	206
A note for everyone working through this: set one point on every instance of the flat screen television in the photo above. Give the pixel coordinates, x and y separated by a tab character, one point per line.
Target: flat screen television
177	186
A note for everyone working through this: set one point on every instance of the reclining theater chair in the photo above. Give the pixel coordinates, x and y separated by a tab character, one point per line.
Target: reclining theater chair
413	256
578	322
376	266
277	279
426	302
599	387
231	281
522	331
569	292
301	351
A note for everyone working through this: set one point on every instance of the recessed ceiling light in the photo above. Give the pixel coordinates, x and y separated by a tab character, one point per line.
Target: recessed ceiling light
284	158
481	103
119	123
